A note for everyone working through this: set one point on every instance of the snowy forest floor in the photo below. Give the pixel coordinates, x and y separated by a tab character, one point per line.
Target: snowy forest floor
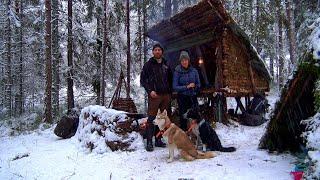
49	157
42	155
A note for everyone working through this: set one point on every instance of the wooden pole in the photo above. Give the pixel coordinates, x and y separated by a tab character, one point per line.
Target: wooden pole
128	49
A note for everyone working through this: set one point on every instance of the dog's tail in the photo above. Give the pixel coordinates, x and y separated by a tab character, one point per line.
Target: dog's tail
228	149
205	155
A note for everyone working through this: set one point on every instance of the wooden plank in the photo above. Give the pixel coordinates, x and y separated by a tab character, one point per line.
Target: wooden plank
189	41
239	104
254	89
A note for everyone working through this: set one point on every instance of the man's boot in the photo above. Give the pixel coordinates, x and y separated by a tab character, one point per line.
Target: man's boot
158	141
149	134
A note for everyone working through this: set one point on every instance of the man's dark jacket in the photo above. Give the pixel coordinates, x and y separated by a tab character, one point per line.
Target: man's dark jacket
156	77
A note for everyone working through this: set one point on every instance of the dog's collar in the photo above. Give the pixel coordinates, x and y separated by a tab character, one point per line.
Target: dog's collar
201	122
163	130
193	125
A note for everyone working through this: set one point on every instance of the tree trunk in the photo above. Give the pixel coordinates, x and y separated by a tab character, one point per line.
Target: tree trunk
104	54
8	67
167	9
291	32
128	49
280	42
70	97
19	95
140	34
21	89
175	6
258	27
145	46
48	113
97	79
56	58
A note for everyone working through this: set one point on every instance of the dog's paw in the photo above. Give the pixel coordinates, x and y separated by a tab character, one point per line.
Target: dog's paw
170	160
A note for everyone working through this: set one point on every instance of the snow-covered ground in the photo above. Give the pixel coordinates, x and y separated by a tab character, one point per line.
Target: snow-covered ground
50	157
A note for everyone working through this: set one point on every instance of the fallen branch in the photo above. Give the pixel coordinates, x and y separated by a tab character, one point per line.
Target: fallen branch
20	156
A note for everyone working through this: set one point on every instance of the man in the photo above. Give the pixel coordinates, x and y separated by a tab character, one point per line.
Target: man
156	80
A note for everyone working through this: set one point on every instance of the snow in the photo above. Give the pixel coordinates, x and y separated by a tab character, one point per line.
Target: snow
315	38
97	125
53	158
312	136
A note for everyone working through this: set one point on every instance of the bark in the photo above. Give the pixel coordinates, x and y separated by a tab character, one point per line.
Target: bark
70	96
56	58
291	32
8	66
48	108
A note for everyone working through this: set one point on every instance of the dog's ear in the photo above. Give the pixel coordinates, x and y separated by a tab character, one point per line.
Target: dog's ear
165	112
159	111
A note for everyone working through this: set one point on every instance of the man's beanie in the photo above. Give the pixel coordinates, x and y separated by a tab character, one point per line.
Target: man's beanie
184	55
157	45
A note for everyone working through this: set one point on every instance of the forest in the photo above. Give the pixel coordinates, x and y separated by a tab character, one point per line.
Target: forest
62	57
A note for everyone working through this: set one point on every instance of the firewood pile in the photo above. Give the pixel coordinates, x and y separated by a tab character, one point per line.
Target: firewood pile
101	129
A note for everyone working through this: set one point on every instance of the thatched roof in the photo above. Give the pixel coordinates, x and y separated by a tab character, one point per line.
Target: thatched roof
199	25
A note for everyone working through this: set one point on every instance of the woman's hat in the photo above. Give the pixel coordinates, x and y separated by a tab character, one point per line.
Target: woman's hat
184	55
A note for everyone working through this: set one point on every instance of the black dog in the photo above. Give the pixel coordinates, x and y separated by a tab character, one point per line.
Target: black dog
206	133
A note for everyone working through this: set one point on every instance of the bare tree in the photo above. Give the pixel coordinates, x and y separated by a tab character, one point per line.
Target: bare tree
48	113
70	97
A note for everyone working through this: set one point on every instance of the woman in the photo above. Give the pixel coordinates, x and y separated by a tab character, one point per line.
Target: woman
186	83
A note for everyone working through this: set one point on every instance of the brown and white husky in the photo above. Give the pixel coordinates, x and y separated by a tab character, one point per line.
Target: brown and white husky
177	138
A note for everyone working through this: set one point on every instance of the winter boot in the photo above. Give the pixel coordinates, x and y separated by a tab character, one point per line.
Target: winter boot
149	134
158	141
